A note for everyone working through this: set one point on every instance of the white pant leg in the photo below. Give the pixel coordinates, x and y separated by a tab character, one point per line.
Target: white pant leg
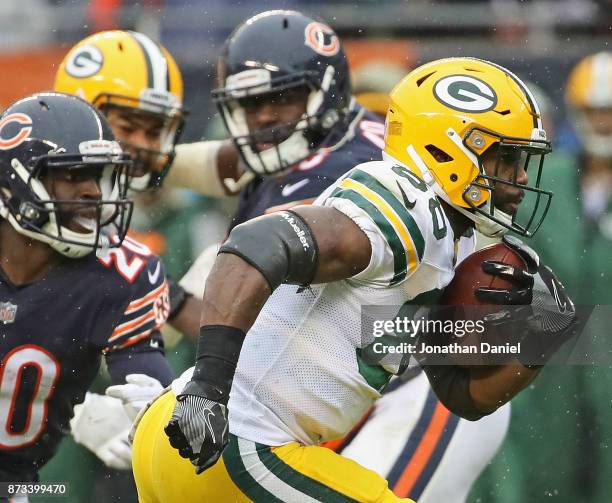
393	437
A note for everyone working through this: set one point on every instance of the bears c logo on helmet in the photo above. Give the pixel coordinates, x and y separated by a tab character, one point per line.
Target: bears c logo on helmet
20	134
465	93
85	62
322	39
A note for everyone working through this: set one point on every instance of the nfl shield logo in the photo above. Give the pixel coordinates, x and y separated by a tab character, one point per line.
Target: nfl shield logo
7	312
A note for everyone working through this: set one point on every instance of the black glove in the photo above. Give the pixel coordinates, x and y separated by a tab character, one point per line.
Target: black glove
544	313
522	293
198	428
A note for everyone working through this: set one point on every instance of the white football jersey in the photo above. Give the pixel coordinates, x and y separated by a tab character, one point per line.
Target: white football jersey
300	376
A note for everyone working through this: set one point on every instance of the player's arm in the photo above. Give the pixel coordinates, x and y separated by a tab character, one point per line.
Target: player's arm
187	318
146	357
492	387
134	346
311	244
472	393
203	167
308	245
185	309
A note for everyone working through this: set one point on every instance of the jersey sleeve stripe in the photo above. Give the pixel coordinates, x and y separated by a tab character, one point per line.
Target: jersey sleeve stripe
147	299
135	338
402	212
131	325
387	230
130	340
400	229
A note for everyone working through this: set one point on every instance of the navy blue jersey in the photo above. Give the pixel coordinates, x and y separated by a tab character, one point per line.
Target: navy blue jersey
53	335
363	143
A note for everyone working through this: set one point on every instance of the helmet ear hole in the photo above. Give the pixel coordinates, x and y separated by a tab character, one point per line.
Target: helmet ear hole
438	154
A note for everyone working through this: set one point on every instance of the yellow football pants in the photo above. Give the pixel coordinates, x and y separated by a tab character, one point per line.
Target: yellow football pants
247	471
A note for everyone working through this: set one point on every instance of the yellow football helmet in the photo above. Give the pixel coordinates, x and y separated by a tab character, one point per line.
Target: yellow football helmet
128	70
589	92
446	114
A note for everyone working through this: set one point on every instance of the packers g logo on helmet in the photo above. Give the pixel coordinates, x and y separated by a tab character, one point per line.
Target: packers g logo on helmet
465	93
84	62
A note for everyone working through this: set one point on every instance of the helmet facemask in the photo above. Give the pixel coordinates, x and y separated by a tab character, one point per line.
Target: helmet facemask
150	166
289	143
510	204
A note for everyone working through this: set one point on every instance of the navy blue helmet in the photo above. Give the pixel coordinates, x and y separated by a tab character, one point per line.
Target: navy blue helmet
47	132
275	52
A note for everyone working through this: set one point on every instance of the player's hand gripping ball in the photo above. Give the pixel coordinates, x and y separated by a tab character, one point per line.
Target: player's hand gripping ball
511	274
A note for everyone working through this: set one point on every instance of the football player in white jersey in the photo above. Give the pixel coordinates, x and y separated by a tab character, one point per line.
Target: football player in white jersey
385	440
426	452
460	135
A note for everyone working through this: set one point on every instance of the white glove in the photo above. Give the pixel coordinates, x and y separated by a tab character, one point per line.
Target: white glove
139	391
117	452
101	424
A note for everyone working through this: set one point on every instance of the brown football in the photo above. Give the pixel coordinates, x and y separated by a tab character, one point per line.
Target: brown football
469	274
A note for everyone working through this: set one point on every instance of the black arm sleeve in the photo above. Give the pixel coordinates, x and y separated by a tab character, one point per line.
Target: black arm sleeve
141	358
280	246
452	386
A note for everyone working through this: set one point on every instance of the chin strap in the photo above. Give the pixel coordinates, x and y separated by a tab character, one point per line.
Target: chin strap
485	225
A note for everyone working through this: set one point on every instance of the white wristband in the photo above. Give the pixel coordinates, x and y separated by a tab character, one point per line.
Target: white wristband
195	168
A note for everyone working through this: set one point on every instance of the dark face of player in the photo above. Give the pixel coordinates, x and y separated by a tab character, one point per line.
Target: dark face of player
508	165
274	115
75	184
140	134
